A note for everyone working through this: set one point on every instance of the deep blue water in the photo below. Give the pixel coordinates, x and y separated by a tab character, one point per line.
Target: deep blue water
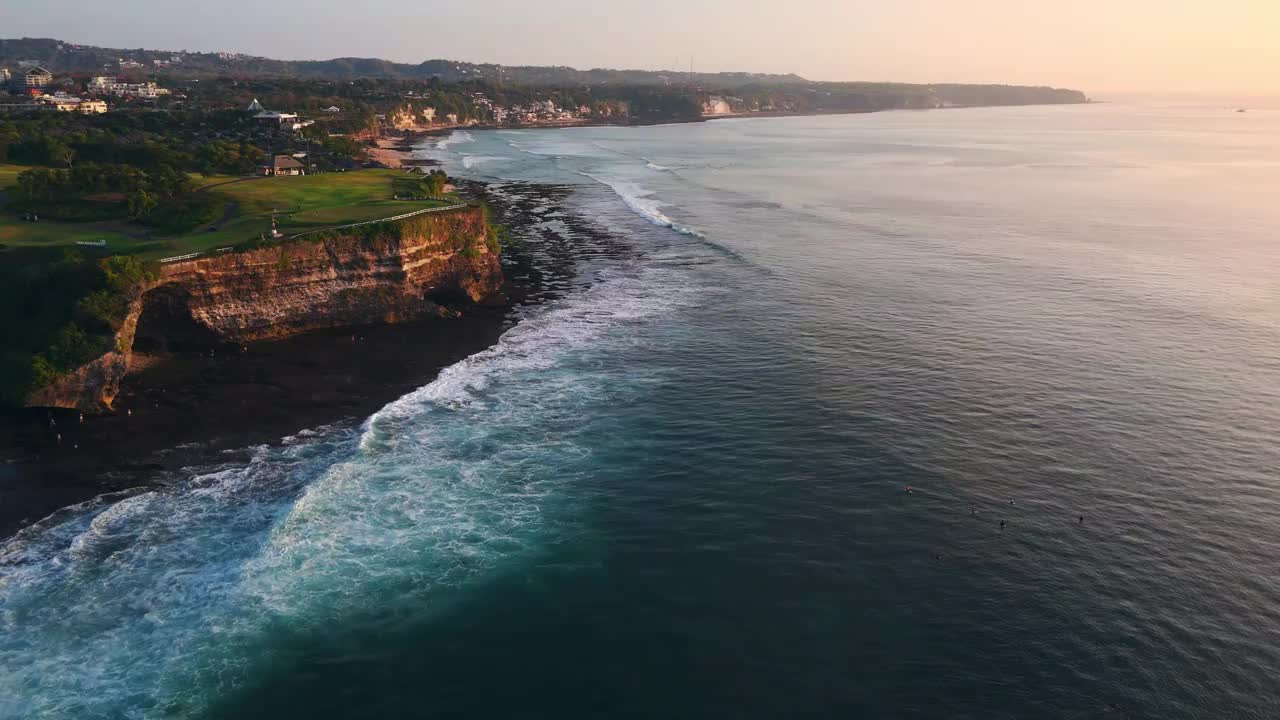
679	489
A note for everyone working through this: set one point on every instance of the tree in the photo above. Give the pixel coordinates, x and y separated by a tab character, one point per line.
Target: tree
141	202
433	182
58	153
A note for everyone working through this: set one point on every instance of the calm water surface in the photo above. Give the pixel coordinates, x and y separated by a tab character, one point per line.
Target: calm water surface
679	489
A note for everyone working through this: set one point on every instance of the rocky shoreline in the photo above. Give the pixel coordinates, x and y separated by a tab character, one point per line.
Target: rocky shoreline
191	409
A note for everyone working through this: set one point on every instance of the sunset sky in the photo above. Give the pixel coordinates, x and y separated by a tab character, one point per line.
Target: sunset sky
1100	46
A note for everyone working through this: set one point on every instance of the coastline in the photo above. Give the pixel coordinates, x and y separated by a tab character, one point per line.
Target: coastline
394	151
201	409
186	410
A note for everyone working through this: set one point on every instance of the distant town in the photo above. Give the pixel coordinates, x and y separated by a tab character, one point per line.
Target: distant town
33	88
50	75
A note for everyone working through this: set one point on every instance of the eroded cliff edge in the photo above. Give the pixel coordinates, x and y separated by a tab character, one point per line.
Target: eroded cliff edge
380	273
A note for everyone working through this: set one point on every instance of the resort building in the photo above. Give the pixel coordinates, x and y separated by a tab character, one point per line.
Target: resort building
11	106
282	165
5	75
277	118
108	85
66	103
38	77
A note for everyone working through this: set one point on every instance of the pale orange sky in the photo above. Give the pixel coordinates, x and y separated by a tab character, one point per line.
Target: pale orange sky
1099	46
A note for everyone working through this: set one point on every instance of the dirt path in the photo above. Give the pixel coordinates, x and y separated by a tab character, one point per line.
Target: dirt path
228	182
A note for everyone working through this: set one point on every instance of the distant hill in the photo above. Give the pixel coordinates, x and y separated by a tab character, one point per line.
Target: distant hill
64	57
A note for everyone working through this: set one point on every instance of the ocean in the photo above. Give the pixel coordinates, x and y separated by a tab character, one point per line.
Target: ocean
952	414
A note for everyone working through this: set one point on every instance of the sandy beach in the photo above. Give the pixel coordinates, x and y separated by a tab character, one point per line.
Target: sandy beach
392	152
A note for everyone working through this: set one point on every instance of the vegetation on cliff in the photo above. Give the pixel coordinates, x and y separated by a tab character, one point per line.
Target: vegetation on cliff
64	301
61	310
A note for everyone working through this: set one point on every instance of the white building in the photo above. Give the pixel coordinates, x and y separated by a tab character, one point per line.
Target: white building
278	118
109	85
63	102
38	77
5	76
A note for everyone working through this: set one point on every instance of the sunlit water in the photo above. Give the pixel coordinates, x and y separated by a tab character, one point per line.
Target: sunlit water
679	488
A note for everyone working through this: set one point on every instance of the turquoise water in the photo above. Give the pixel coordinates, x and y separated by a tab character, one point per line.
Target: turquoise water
678	488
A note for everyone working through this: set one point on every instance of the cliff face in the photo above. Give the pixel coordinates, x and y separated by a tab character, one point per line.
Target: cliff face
388	272
94	386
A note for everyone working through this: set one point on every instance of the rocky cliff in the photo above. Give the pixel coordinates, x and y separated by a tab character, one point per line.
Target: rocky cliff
387	272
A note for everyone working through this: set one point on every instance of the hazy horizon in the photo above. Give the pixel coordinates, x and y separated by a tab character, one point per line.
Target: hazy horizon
1219	49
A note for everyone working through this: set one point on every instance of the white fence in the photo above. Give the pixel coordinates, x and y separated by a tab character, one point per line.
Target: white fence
180	258
406	216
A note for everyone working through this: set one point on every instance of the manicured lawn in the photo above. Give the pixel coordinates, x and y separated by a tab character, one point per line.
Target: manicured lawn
287	194
299	203
9	174
16	232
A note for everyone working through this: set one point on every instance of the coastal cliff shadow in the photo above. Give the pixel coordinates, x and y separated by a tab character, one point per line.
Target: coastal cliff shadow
167	325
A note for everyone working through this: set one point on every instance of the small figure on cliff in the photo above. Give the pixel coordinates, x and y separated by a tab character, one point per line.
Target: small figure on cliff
81	418
128	412
1081	519
1002	524
59	438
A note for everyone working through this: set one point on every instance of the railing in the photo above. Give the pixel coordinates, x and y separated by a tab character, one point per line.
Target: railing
406	216
180	258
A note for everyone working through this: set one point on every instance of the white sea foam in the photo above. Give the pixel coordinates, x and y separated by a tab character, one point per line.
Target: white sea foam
641	200
470	161
455	137
125	605
537	343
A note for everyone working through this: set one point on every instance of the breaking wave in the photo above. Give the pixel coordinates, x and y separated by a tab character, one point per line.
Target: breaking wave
470	161
642	202
455	137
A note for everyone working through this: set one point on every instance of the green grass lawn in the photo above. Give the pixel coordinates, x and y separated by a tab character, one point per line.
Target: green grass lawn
9	174
16	232
299	203
310	202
